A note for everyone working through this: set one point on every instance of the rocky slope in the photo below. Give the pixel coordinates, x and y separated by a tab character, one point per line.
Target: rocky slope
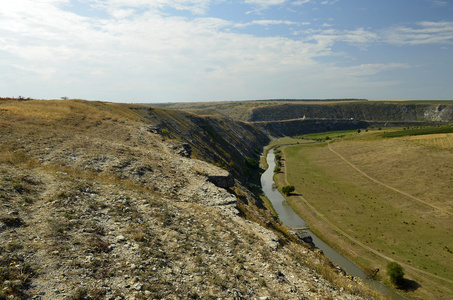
104	201
361	110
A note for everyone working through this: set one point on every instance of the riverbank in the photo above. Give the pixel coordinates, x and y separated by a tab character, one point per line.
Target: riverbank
335	200
288	217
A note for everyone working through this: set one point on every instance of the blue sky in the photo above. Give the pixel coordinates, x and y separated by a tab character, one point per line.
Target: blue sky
212	50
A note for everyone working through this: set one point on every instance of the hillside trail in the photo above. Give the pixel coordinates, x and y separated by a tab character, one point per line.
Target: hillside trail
355	241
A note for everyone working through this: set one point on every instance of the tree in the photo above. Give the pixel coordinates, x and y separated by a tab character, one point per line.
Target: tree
288	189
251	162
396	273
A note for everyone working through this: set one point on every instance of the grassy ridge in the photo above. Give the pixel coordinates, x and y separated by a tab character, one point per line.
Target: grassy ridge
387	221
327	135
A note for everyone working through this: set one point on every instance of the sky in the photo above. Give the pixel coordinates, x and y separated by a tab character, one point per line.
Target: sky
153	51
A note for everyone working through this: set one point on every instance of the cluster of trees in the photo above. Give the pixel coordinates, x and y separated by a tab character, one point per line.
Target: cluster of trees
278	161
287	189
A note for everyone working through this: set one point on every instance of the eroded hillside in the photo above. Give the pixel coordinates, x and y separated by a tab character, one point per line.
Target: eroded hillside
109	201
361	110
340	109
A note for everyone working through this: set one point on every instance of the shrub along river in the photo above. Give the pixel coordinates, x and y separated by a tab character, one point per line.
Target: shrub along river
288	217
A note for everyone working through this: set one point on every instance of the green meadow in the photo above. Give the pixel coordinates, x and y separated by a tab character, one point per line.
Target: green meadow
380	199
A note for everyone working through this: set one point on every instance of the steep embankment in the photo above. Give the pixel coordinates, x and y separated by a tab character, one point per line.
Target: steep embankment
377	111
297	127
216	139
102	201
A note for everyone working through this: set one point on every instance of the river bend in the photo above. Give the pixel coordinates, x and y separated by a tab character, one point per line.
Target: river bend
288	217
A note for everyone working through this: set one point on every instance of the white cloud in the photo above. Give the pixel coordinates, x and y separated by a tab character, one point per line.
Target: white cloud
265	3
327	37
371	69
268	23
121	7
148	51
329	2
425	33
438	3
52	51
300	2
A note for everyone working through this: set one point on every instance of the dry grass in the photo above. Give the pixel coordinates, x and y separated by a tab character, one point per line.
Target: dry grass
441	141
388	222
45	112
73	182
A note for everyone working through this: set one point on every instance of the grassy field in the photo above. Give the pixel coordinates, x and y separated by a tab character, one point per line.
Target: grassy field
441	141
380	199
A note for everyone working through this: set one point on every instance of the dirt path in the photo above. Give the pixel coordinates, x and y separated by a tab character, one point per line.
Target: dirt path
340	231
388	186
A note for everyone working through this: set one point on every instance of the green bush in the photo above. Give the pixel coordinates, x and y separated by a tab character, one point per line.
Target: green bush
79	294
288	189
166	132
396	273
251	162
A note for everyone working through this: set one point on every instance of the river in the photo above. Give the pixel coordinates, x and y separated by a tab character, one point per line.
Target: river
288	217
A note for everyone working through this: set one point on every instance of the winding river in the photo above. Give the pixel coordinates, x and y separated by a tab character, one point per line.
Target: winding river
288	217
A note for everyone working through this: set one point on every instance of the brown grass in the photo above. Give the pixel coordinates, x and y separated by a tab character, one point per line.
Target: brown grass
441	141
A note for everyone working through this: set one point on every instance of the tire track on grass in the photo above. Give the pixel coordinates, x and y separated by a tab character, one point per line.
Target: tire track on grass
388	186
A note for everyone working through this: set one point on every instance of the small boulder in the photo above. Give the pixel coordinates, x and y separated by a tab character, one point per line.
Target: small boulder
120	238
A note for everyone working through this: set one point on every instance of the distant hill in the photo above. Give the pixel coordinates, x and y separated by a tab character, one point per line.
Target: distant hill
364	111
277	110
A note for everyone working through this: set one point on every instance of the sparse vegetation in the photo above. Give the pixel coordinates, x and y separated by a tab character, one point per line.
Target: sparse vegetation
104	205
14	277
